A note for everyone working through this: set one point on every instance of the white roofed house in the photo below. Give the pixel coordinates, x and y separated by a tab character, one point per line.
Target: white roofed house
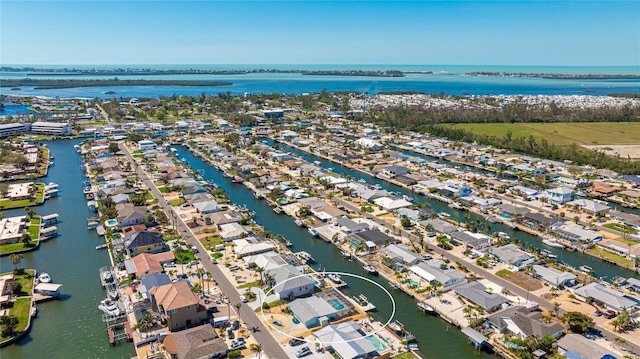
288	282
231	231
435	273
346	340
560	195
590	207
477	293
511	254
553	276
390	204
369	143
400	253
607	296
250	246
576	233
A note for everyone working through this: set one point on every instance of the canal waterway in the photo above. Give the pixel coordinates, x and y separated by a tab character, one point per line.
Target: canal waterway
71	327
601	268
435	337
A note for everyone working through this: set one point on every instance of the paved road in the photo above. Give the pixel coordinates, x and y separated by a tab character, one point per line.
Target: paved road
262	335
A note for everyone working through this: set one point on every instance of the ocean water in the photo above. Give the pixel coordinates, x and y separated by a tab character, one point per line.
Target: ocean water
445	78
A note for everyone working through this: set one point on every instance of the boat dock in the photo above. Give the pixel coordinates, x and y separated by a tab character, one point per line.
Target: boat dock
396	285
119	331
363	303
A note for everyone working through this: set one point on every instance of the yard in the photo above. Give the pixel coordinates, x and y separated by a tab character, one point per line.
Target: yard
210	242
520	279
621	228
21	308
564	133
177	202
601	253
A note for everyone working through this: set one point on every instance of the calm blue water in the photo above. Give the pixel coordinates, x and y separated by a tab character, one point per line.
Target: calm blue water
14	110
446	78
71	327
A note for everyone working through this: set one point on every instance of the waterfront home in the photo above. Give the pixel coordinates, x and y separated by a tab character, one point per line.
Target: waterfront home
220	218
437	272
152	281
327	212
579	346
178	305
477	241
144	242
634	284
52	128
12	228
560	195
511	254
628	219
200	342
206	207
395	171
390	204
250	246
192	189
266	260
477	293
120	198
590	207
314	311
131	215
146	264
289	283
440	226
480	202
539	221
511	211
609	297
20	191
369	194
523	322
412	214
400	254
576	233
348	226
369	144
553	276
374	236
231	231
346	340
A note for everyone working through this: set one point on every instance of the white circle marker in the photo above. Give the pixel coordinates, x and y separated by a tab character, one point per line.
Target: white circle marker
393	307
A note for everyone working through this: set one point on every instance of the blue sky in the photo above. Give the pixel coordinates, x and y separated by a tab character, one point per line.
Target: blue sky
321	32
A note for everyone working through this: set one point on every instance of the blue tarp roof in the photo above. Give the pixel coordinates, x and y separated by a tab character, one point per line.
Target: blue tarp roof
570	354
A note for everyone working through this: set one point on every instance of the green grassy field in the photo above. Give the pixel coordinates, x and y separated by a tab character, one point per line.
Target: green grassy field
586	133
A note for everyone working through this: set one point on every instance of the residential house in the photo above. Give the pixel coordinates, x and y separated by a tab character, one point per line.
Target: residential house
251	246
477	293
395	170
440	226
511	254
346	340
560	195
349	226
144	242
400	254
131	215
609	297
313	311
523	322
576	346
391	204
147	264
553	276
201	342
590	207
288	283
477	241
178	305
231	231
437	272
576	233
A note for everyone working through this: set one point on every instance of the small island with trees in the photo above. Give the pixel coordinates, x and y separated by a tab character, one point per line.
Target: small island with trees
43	84
557	76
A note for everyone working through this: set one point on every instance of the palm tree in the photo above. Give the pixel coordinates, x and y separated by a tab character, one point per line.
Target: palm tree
238	306
16	259
256	348
25	239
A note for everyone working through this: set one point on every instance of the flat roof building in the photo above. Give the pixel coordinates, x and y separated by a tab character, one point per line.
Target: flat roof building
52	128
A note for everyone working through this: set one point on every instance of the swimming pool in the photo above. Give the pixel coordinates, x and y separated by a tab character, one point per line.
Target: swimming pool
111	223
355	243
277	323
295	320
336	304
633	299
412	282
376	343
504	215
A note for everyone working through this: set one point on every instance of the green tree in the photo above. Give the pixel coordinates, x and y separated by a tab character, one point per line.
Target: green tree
9	324
577	322
16	259
15	287
25	239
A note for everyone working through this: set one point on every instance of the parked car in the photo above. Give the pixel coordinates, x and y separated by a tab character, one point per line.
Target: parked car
214	261
230	334
243	299
303	352
234	267
296	341
237	344
597	313
235	325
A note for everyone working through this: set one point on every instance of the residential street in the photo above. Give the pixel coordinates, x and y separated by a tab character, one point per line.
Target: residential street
269	345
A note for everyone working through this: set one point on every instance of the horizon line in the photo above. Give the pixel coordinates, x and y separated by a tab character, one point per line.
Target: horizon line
304	64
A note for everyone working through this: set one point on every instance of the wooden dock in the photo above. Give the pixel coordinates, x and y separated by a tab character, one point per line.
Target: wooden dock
116	337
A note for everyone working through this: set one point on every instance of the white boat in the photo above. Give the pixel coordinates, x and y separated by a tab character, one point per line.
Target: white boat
548	254
586	269
109	307
335	278
503	235
552	243
277	209
306	256
107	276
313	232
300	223
455	205
425	307
44	278
345	254
102	246
369	268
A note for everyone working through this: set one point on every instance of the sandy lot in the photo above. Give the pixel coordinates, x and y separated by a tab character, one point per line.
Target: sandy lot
632	151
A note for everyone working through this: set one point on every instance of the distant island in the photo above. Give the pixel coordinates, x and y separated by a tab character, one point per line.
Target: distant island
30	71
557	76
44	84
